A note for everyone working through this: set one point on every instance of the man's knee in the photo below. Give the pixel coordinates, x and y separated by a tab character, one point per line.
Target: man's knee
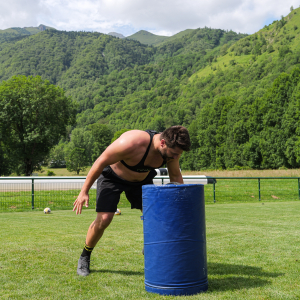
103	220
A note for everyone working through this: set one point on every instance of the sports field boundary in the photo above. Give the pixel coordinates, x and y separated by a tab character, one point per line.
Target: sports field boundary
36	193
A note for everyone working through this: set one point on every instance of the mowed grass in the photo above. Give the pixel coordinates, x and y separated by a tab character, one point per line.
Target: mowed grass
252	252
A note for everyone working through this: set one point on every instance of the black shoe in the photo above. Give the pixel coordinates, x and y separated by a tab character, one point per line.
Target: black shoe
83	268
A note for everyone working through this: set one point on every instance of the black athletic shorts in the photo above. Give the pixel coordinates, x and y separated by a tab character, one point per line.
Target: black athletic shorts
110	186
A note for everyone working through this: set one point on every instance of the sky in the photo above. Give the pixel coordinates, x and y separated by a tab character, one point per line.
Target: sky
161	17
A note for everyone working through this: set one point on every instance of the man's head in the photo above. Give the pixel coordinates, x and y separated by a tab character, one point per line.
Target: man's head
174	140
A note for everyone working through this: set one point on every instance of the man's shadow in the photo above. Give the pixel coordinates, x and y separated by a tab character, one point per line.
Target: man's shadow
234	277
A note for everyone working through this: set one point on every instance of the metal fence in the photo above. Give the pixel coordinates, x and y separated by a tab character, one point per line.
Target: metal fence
27	193
251	189
23	193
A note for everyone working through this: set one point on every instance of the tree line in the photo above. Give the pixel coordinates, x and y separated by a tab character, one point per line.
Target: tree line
259	133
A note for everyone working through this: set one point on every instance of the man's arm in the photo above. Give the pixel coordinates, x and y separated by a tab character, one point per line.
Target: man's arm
118	150
174	171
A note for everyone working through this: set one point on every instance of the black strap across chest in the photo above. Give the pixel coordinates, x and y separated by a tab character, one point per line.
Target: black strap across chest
140	167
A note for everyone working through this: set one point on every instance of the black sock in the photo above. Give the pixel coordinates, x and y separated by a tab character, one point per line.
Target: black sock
87	251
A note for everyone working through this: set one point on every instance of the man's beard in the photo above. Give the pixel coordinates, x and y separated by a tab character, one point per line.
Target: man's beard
165	156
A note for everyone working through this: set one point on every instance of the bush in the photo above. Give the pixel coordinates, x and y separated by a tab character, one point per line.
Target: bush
284	50
270	49
50	173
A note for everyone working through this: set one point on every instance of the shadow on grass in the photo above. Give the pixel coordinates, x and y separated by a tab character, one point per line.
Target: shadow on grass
225	269
232	277
127	273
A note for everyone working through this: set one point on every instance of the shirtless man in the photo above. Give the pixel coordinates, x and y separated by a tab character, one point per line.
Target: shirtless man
126	165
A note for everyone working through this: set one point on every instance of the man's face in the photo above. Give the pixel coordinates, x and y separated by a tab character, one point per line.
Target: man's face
169	153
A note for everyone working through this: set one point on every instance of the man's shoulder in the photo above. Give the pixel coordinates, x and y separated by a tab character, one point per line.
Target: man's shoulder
137	137
131	143
141	133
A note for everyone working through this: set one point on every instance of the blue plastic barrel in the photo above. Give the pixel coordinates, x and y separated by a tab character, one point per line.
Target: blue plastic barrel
174	239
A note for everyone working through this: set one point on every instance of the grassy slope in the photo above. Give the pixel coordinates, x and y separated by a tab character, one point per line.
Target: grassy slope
252	253
22	31
223	62
146	37
33	30
175	36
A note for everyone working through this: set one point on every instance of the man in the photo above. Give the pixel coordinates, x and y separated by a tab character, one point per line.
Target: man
126	165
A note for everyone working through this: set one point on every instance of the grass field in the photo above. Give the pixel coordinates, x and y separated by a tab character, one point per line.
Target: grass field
252	252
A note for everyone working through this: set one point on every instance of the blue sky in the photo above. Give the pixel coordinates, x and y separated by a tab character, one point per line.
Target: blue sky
162	17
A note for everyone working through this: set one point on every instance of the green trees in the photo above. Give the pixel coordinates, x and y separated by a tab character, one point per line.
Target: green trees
57	156
80	138
85	146
118	134
280	116
77	160
261	132
34	115
5	160
101	135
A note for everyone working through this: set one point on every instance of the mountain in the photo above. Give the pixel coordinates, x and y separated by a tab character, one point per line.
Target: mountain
175	36
147	38
17	32
115	34
97	69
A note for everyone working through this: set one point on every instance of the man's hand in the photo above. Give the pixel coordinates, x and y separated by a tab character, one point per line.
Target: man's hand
81	199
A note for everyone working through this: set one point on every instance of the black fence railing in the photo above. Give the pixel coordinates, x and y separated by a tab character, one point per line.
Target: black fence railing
247	189
27	193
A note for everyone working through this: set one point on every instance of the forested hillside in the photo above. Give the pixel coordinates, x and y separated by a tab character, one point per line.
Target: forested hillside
250	107
237	94
134	97
101	71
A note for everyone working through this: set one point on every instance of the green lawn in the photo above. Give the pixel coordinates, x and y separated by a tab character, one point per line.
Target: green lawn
252	250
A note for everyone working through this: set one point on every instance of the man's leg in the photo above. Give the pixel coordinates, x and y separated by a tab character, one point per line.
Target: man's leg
97	228
94	234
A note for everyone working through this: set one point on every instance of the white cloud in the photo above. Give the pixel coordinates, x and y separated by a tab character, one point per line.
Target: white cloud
128	16
16	13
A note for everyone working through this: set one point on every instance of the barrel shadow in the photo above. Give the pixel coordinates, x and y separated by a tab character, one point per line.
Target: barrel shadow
230	276
233	277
